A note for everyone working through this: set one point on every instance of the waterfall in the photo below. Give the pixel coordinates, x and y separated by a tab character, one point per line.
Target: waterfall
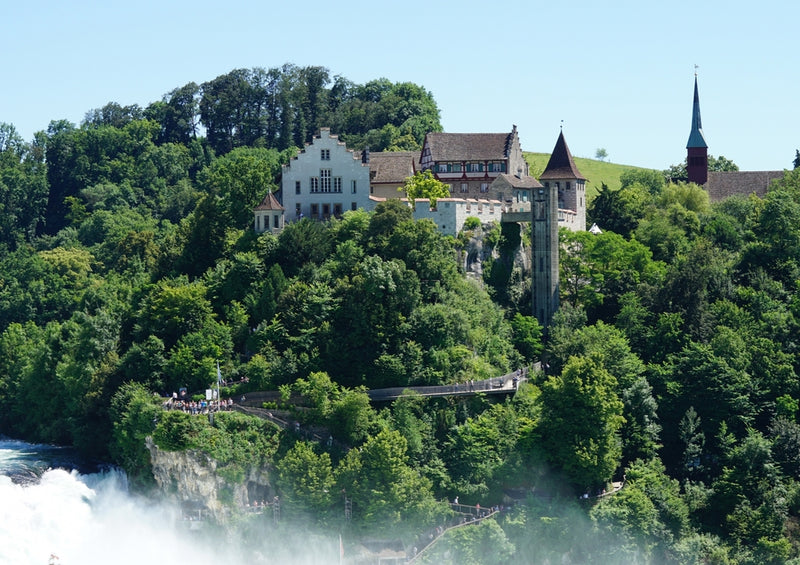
66	517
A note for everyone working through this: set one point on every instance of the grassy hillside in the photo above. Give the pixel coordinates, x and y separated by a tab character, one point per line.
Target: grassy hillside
596	172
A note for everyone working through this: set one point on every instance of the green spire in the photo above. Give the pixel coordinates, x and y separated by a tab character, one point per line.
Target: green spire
696	138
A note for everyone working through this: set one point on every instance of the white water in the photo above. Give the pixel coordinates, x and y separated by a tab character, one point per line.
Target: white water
72	519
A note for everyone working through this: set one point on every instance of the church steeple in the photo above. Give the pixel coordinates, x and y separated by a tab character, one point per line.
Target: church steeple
696	147
696	138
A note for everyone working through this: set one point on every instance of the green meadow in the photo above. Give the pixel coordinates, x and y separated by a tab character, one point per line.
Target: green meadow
596	172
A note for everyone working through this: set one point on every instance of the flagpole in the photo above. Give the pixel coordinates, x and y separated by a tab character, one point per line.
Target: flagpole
219	379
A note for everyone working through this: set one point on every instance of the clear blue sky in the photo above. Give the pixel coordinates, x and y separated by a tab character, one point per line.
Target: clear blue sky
619	74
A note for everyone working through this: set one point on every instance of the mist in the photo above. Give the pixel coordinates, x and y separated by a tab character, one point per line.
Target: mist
73	519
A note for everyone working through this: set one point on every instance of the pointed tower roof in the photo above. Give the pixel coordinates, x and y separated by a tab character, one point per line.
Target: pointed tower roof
696	138
270	203
561	165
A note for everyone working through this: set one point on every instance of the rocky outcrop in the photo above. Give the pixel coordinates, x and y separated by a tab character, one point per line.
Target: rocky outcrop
191	476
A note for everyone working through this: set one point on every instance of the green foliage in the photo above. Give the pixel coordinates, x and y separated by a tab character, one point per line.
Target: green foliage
305	479
383	488
135	414
424	185
128	268
527	336
581	418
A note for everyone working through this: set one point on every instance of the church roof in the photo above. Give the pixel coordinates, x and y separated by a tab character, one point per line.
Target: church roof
720	185
696	138
270	203
469	146
561	165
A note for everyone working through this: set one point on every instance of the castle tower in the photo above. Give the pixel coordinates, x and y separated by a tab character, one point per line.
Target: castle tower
563	187
569	184
544	253
696	147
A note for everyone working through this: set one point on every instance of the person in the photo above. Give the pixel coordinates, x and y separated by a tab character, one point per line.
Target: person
455	501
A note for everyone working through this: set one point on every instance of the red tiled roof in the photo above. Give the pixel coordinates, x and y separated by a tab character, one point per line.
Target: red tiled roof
270	203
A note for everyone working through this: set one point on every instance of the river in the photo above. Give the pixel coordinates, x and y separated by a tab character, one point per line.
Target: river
56	510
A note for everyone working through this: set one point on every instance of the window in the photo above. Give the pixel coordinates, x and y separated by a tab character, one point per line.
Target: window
276	221
456	168
297	211
353	206
337	184
476	167
484	187
297	187
567	185
452	187
498	167
442	167
325	154
464	187
325	178
326	211
314	183
258	223
354	186
315	211
337	210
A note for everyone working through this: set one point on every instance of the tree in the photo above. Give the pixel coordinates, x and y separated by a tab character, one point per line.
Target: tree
134	413
619	210
601	154
240	179
527	336
652	180
424	185
305	479
796	162
383	487
580	421
641	430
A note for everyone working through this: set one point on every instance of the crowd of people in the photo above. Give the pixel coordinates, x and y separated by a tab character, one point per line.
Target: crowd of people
198	406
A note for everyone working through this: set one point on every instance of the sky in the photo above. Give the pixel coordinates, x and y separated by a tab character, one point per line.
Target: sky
614	75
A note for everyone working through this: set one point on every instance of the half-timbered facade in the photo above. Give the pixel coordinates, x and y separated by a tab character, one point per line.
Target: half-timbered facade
470	162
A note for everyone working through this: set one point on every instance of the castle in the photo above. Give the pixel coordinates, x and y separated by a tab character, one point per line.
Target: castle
486	173
487	176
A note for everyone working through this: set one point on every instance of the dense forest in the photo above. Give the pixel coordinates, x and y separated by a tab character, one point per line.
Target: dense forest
128	268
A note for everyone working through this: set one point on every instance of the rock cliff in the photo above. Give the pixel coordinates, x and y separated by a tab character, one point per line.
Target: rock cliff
191	476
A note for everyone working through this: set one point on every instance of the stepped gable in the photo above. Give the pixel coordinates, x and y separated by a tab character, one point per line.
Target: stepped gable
471	146
270	203
720	185
561	164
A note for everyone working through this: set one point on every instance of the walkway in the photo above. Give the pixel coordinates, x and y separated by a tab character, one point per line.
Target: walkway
465	516
506	384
